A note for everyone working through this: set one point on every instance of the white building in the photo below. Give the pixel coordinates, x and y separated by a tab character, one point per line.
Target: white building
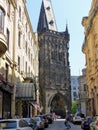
18	53
74	87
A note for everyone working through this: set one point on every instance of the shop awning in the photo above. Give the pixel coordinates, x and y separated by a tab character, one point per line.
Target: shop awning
25	91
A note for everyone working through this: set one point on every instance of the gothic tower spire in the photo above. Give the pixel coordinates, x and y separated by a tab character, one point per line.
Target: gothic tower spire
66	28
46	18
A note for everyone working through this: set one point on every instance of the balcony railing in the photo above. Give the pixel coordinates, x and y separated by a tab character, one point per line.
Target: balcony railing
27	76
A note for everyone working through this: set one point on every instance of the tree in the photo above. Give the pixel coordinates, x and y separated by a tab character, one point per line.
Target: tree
73	109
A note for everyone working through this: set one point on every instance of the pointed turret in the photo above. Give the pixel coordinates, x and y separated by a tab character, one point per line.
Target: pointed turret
46	18
67	33
66	29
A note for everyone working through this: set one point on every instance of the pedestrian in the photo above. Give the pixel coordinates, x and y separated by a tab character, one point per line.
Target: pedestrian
67	124
54	116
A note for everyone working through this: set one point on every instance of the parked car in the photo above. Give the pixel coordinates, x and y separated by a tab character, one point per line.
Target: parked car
32	123
45	120
14	124
78	117
94	123
40	123
85	124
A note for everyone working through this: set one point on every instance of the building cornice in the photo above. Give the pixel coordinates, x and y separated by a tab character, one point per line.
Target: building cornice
90	20
29	22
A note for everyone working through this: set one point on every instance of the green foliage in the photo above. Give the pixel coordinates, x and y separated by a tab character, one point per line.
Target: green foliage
74	106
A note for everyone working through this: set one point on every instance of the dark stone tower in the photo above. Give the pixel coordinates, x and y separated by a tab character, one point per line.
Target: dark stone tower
54	70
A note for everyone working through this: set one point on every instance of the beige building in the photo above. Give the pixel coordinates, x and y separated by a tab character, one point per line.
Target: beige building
18	58
90	49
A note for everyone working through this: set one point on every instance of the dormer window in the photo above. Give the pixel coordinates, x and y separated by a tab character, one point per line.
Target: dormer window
48	8
51	22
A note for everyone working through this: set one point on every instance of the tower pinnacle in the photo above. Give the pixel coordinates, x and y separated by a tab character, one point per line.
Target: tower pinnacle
46	18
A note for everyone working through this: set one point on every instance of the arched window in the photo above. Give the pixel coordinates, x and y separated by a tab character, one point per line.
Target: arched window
1	20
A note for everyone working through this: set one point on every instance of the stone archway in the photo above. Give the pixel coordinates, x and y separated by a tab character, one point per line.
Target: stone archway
57	104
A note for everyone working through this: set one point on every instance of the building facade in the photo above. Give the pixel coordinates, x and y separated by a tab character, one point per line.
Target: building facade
18	56
83	93
90	49
74	88
54	67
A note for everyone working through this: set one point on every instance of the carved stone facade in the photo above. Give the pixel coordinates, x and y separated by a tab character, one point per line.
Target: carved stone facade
54	68
90	49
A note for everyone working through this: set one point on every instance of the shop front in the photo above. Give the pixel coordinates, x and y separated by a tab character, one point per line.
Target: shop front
26	93
6	92
5	100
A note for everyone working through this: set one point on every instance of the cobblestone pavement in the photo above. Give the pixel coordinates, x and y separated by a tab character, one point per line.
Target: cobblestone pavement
58	124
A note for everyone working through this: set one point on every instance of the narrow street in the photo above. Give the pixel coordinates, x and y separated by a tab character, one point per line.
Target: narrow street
59	125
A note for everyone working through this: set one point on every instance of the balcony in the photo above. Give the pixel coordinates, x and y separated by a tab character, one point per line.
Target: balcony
3	45
83	95
27	76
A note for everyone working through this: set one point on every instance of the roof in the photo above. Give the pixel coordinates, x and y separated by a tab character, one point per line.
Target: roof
46	18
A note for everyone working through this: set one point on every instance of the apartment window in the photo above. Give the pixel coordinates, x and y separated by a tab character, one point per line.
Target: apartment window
74	94
31	59
20	12
19	38
29	35
26	68
26	27
74	88
1	20
29	71
6	73
31	41
29	53
85	87
8	8
8	35
26	47
18	64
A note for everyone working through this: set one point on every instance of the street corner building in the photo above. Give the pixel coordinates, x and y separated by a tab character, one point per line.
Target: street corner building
54	66
18	61
90	49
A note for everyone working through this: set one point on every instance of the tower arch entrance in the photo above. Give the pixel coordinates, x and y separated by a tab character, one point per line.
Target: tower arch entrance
57	104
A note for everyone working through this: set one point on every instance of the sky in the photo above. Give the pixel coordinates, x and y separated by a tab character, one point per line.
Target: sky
68	12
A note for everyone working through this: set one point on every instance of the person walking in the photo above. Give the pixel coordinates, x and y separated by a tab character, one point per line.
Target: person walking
67	124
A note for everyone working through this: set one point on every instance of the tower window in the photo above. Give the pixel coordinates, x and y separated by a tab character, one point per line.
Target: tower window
51	22
48	8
